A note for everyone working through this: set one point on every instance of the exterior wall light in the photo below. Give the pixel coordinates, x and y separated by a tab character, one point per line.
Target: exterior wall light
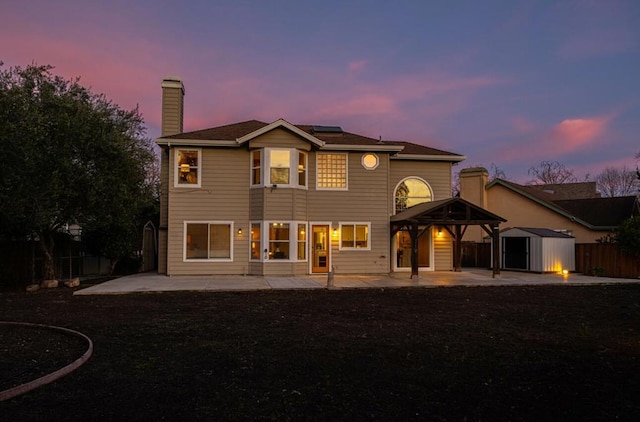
240	231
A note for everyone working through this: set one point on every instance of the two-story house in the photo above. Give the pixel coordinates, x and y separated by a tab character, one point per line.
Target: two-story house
284	199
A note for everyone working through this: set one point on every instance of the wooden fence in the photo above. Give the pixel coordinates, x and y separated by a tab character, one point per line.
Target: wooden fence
605	260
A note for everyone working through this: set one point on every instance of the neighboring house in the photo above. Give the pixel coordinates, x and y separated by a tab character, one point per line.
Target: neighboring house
283	199
575	209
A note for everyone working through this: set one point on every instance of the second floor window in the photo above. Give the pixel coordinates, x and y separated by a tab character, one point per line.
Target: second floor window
411	191
187	167
285	167
280	166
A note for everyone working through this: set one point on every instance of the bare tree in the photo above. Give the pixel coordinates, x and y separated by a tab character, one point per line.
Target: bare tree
551	172
617	182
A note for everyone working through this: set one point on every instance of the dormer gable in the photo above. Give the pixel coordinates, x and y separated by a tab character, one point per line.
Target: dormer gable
283	125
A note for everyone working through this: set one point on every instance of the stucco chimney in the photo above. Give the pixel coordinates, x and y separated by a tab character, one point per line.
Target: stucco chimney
172	105
472	185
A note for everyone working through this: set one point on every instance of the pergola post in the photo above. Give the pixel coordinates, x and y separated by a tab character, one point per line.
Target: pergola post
495	243
413	233
457	249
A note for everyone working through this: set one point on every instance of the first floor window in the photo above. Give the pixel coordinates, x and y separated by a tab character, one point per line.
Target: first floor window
256	246
354	236
208	241
302	242
279	241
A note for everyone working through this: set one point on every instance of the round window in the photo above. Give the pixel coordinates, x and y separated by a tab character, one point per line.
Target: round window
369	161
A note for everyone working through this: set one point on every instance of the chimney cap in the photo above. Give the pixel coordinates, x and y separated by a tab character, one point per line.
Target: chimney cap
172	82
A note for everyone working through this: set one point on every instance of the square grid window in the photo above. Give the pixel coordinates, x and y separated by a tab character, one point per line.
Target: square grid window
332	171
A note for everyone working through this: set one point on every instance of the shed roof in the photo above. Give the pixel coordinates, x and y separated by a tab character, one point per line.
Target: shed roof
539	232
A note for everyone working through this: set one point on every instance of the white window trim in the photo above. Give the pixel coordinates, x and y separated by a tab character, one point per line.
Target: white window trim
265	163
261	168
260	249
293	240
432	254
395	190
176	169
370	168
208	222
354	223
346	171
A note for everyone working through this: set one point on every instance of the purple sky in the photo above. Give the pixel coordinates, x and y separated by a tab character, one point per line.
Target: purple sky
506	82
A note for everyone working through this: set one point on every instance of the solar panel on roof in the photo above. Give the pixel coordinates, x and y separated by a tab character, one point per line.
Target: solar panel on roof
327	129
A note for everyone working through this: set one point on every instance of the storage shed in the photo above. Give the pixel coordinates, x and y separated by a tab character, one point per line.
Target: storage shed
536	250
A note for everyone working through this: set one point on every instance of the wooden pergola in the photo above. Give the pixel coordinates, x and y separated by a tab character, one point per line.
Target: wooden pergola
454	215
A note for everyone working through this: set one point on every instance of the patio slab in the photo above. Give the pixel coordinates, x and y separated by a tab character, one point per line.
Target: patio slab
150	282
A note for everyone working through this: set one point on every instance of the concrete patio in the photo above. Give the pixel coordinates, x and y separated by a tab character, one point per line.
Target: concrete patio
151	282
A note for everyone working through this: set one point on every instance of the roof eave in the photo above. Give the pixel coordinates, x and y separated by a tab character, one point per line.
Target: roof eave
351	147
196	142
430	157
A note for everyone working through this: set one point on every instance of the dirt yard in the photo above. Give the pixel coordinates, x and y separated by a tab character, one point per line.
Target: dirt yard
500	353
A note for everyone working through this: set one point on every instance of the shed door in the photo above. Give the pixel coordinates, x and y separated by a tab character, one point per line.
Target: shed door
515	253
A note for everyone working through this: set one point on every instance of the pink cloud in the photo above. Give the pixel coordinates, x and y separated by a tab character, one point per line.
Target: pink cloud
571	134
566	137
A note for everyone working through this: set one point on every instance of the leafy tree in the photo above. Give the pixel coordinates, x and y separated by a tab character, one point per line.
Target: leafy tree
617	182
70	157
551	172
627	236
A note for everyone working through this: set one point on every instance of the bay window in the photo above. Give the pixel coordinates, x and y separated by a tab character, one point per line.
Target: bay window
286	167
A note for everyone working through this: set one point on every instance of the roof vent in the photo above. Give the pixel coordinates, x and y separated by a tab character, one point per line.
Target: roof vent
326	129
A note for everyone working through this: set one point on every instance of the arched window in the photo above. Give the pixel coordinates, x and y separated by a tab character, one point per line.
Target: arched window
412	191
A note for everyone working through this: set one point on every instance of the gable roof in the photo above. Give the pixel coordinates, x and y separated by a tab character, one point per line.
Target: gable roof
602	211
593	213
447	211
237	134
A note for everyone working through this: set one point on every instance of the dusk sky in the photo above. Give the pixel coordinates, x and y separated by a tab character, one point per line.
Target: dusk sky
500	81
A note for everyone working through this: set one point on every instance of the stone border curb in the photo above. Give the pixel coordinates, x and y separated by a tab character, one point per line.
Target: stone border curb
55	375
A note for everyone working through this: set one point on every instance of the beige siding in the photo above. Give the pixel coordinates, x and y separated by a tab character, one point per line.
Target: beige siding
164	212
438	176
365	201
443	251
223	196
522	212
